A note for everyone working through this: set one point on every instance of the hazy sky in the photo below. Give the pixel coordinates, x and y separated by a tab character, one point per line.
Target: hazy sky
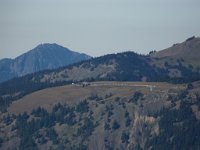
96	27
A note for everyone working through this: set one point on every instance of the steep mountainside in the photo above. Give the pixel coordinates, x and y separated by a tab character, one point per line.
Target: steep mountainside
5	71
105	116
42	57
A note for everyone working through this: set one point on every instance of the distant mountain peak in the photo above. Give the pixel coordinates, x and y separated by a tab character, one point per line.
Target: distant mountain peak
44	56
49	46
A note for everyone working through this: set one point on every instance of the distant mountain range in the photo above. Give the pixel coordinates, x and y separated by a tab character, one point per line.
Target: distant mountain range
86	105
127	66
181	61
42	57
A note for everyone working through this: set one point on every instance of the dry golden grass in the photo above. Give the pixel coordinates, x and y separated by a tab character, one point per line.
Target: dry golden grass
72	94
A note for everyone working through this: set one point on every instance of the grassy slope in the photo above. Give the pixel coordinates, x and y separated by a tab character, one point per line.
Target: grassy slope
72	94
189	51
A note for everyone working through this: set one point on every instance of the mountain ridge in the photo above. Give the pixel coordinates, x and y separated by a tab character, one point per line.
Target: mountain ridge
188	51
176	49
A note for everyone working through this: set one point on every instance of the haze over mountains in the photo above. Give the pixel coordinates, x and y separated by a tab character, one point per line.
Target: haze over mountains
127	66
118	101
51	56
43	57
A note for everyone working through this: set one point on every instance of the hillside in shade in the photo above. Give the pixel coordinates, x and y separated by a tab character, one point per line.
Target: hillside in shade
42	57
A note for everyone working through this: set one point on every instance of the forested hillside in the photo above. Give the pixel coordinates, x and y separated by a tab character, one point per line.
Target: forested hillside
127	116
